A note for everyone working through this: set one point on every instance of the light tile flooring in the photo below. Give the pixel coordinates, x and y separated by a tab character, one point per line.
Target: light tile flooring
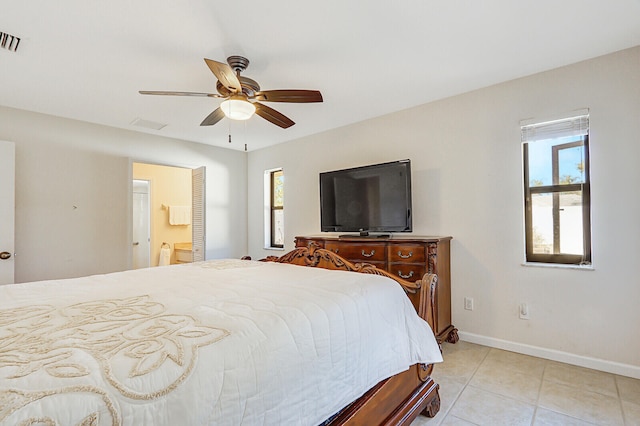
486	386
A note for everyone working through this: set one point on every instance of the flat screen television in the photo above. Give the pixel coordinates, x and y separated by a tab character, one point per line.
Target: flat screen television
374	198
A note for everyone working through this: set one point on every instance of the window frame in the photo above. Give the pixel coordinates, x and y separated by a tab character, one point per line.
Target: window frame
270	209
557	189
274	208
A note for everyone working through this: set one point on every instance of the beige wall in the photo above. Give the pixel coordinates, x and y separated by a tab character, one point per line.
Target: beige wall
74	193
168	186
73	202
467	182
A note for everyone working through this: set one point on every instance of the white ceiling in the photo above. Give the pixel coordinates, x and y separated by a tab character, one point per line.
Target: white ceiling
87	59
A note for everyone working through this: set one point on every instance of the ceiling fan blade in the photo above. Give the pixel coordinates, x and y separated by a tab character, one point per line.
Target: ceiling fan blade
213	118
225	75
160	92
299	96
273	116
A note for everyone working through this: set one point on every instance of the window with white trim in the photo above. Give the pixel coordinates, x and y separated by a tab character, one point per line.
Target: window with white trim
274	208
557	198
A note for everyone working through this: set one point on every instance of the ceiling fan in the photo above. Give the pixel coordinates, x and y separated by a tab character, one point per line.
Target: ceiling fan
243	96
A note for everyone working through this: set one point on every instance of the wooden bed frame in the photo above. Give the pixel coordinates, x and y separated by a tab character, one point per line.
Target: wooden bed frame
399	399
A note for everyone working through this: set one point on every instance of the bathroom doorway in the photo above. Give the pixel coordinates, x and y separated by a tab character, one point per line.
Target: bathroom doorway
141	224
170	190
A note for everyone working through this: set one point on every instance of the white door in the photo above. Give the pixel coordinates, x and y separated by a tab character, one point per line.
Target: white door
7	211
141	224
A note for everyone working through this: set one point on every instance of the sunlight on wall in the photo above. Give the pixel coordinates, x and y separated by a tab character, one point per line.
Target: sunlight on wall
218	204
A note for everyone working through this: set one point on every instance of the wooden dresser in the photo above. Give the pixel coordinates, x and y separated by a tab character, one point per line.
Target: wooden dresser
408	257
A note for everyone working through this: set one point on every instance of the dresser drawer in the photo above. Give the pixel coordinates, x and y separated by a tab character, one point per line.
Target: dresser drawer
408	271
306	242
409	253
358	252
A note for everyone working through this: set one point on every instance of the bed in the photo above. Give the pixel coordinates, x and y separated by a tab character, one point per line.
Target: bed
224	342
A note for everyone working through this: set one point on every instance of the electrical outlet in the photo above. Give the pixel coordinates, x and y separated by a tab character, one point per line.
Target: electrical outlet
524	311
468	303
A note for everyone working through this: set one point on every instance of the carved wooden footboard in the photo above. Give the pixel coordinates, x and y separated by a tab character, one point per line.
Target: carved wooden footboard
399	399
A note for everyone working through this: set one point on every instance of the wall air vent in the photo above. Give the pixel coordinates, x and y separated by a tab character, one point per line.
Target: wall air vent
9	41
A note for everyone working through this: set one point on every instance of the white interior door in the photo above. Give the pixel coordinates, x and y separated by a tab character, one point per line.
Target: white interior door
141	225
7	211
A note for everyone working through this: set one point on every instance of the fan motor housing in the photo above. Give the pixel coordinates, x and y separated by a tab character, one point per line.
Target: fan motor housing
249	87
238	63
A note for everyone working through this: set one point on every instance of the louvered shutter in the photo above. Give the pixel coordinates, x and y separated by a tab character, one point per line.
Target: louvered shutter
198	212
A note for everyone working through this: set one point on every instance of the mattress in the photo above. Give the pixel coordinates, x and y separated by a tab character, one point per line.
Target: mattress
225	342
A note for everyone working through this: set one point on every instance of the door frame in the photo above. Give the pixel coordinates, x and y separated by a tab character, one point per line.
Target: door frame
148	230
8	211
129	247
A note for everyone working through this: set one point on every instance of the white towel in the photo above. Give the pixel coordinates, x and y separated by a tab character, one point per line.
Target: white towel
165	256
179	215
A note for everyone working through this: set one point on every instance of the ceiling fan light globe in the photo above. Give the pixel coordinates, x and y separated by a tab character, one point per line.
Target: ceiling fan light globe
238	109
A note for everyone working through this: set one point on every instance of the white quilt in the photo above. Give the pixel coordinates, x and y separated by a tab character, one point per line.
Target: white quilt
225	342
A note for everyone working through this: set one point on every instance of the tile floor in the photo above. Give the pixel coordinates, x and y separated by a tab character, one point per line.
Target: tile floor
486	386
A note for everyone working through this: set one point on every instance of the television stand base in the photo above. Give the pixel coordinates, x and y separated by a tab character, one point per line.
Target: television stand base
364	235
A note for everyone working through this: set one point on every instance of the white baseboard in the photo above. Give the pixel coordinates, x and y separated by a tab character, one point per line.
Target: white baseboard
568	358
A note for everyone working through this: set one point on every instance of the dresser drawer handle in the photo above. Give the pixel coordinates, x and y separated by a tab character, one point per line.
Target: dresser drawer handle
403	256
368	254
336	251
409	275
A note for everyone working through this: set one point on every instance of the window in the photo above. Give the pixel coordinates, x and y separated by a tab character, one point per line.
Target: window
557	191
274	208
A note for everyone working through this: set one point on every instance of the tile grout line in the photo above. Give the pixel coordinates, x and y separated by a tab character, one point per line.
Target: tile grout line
537	404
624	417
465	387
544	372
547	375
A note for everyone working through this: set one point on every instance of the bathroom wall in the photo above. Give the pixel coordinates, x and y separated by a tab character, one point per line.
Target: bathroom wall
168	186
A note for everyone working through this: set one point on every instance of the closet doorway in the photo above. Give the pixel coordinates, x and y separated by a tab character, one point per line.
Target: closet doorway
170	189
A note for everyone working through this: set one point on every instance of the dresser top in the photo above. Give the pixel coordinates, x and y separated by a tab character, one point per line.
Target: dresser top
393	238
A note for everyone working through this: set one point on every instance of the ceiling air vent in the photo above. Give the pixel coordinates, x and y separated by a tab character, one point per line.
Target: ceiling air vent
9	41
148	124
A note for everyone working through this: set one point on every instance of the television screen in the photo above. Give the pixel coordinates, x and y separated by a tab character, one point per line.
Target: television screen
375	198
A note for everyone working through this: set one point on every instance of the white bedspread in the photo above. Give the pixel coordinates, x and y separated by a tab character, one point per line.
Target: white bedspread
216	343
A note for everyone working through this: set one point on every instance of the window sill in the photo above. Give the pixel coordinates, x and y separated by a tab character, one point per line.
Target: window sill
559	266
274	248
